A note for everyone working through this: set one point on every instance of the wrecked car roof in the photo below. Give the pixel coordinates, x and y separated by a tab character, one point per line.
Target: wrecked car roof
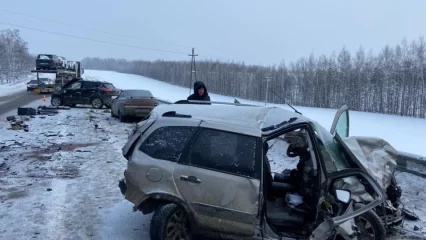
253	117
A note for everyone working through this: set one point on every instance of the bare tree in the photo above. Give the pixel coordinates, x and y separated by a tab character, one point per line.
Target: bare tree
392	81
15	60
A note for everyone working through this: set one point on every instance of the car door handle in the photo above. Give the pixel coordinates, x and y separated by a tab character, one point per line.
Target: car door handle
190	179
78	92
93	91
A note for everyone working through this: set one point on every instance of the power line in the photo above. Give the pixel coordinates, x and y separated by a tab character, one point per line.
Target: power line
91	29
89	39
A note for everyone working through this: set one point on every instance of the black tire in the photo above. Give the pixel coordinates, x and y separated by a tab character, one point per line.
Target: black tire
56	101
97	103
164	216
374	224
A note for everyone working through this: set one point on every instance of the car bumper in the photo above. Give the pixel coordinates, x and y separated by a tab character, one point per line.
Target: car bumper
130	192
136	111
107	100
123	187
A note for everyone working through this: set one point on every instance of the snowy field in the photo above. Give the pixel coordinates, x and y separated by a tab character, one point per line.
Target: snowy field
404	133
61	177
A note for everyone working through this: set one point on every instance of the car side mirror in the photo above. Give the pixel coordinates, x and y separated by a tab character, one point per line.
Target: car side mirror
343	196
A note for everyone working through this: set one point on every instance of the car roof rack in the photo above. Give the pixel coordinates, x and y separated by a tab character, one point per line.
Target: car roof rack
174	114
212	102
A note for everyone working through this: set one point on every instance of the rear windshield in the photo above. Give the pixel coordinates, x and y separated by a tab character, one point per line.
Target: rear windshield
33	82
138	93
44	56
109	86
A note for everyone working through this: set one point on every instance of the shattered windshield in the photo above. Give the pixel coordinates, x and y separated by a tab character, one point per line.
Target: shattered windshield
331	150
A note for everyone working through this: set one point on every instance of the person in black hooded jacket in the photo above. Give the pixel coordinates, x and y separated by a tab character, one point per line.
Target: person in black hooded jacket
200	92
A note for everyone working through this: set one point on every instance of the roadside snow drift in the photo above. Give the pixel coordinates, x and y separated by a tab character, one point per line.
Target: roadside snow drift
9	89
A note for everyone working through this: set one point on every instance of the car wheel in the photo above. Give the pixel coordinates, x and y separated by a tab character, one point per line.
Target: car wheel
371	226
170	222
56	101
97	103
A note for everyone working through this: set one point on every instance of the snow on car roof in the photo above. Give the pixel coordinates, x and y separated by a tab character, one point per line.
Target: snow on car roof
244	116
45	57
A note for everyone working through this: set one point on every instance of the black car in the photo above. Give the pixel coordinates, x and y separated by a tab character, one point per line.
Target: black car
48	62
33	84
79	91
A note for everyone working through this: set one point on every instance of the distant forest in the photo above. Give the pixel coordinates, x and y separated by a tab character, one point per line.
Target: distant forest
15	60
390	82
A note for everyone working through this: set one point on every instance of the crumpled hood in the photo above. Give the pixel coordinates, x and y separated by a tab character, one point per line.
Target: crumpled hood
376	156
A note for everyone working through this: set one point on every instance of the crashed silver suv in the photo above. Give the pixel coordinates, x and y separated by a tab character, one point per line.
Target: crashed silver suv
204	171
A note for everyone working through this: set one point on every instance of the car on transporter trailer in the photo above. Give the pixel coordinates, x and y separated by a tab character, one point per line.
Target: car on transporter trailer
203	169
85	92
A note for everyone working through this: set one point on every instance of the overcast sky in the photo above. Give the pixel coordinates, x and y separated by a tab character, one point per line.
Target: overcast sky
256	32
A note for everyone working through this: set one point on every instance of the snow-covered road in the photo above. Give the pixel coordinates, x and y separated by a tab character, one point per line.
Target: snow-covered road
60	179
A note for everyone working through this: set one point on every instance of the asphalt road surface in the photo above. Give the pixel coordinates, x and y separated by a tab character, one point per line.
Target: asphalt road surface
12	102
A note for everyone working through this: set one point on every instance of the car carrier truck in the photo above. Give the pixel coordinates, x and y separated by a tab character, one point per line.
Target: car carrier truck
62	76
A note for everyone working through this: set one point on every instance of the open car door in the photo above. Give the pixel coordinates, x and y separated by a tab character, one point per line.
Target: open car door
340	123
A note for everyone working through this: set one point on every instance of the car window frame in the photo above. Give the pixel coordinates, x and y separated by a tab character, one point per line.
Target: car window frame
95	85
122	94
69	86
184	145
185	157
323	140
108	83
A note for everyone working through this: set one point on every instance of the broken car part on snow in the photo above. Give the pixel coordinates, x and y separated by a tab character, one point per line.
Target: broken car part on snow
26	113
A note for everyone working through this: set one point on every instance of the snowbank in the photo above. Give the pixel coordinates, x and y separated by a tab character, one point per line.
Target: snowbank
9	89
21	85
404	133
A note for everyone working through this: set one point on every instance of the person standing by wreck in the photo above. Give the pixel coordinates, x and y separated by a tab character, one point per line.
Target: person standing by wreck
200	92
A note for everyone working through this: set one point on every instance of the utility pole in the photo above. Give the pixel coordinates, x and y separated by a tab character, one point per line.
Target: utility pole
268	78
193	70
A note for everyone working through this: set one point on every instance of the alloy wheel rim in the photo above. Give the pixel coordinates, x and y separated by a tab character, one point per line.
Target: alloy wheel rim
56	102
96	103
366	227
177	227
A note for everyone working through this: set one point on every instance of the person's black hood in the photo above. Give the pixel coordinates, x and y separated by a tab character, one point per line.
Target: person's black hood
198	85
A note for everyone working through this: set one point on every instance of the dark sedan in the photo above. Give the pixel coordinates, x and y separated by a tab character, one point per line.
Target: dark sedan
133	103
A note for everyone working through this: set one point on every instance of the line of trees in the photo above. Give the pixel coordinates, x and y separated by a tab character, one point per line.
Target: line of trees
15	59
390	82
